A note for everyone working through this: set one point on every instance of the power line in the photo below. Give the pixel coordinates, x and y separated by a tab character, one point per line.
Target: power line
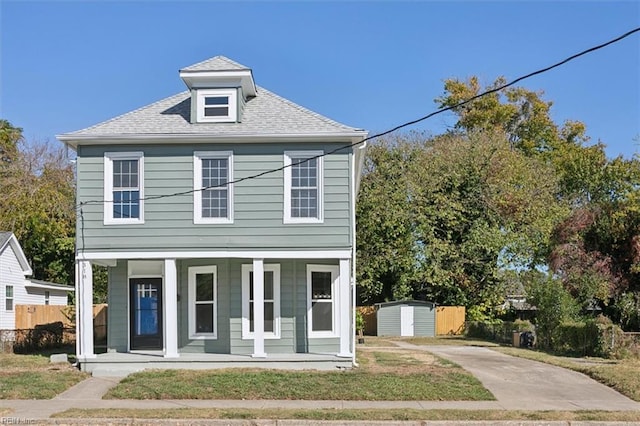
396	128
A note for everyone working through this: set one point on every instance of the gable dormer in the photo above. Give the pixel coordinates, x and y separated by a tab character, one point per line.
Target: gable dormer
220	89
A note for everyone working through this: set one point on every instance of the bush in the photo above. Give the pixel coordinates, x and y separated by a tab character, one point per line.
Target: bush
497	330
43	336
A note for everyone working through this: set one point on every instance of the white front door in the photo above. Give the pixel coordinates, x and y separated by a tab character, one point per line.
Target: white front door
406	320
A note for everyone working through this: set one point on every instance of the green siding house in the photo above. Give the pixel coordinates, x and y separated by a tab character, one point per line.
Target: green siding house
226	217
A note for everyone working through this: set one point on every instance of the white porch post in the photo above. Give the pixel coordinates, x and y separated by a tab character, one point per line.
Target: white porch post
84	309
258	309
344	308
170	313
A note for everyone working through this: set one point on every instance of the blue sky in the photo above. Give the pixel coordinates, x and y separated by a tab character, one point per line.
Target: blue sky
69	65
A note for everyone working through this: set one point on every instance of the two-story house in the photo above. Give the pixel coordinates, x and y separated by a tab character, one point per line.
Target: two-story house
226	217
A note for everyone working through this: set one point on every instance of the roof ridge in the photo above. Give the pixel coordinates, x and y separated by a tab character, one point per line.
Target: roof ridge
217	57
306	110
133	111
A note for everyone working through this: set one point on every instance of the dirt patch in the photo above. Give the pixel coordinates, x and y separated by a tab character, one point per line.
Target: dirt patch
397	360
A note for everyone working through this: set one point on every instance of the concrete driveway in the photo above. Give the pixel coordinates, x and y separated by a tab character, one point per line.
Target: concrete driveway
521	384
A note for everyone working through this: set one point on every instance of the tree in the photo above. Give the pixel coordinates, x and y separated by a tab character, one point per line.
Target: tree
386	251
37	198
438	216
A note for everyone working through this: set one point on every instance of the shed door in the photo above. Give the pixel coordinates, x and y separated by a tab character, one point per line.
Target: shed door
406	320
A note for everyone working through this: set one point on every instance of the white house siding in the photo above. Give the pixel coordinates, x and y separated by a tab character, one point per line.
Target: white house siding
10	274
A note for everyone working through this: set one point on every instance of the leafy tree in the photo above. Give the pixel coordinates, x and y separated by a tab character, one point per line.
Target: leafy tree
554	305
386	250
438	216
37	204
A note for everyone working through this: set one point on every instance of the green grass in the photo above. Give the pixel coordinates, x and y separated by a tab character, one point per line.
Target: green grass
350	414
623	375
392	374
33	377
447	384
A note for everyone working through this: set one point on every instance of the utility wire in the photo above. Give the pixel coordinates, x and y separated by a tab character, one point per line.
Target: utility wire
398	127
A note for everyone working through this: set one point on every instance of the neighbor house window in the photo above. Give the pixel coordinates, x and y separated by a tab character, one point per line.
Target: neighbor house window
321	292
203	302
213	194
217	105
271	302
47	297
8	297
123	187
303	187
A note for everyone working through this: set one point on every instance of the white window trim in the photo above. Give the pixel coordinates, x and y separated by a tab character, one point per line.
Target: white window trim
249	335
12	298
109	157
335	275
288	155
193	270
198	156
233	108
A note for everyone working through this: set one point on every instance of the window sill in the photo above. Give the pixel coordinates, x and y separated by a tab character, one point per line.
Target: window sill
203	337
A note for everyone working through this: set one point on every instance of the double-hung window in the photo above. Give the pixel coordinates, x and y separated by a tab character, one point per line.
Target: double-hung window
303	187
213	194
217	105
8	298
322	285
123	188
203	302
271	302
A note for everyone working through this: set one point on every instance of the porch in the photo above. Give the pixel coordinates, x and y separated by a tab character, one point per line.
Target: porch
118	364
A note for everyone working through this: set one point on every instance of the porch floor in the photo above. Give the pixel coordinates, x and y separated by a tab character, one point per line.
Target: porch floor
122	364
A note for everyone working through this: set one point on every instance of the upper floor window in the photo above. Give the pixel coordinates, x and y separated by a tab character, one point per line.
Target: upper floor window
8	296
303	187
213	195
217	105
123	187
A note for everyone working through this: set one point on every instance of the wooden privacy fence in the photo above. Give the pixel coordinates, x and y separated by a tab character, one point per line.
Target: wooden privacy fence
28	316
449	320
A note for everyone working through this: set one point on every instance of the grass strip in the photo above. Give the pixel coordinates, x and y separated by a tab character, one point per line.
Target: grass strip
350	414
441	384
34	377
623	375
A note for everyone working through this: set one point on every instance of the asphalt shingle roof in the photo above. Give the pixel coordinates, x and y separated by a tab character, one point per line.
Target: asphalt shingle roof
4	237
217	63
265	114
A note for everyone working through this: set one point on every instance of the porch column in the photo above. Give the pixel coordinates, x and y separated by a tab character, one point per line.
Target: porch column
258	309
84	309
170	313
344	308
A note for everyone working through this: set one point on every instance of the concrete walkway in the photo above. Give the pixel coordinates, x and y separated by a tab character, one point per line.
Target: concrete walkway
522	384
518	384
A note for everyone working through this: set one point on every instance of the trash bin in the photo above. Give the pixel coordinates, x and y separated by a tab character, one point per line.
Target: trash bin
516	339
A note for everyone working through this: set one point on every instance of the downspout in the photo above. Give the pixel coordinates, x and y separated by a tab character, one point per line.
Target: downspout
356	166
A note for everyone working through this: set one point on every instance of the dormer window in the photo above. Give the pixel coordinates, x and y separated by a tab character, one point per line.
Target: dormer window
217	105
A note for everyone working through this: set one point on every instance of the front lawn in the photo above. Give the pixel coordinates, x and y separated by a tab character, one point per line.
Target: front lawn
34	377
384	374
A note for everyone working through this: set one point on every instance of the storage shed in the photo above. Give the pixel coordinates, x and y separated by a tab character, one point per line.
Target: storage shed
406	318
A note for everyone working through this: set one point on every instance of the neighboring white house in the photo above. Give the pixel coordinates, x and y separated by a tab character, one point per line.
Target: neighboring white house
17	289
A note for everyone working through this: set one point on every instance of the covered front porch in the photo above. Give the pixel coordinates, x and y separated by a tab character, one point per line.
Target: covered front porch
279	310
